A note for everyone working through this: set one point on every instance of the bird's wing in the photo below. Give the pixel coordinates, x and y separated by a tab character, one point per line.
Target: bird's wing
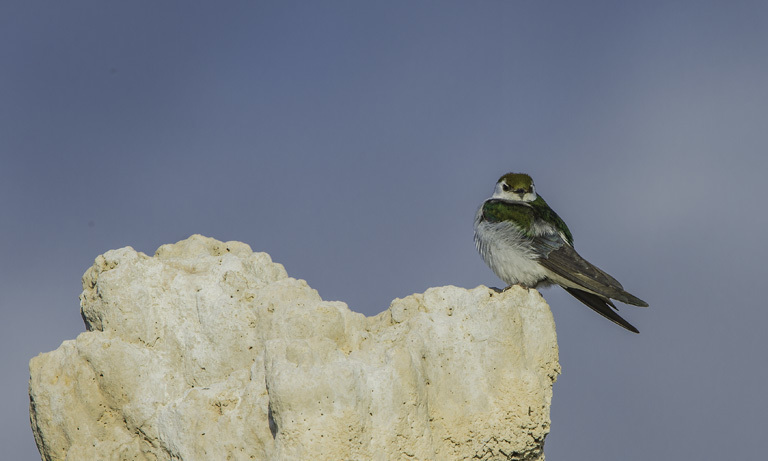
562	260
548	215
602	306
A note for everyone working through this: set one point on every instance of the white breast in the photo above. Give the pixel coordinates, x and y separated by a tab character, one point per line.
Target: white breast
508	253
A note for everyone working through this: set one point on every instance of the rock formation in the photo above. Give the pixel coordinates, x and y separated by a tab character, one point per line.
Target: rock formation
208	351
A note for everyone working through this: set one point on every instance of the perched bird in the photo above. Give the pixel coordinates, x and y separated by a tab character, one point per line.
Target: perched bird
526	243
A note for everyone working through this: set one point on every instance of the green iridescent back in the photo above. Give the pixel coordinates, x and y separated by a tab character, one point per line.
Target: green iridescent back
524	214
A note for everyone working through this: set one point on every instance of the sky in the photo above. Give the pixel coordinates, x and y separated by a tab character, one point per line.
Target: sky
354	141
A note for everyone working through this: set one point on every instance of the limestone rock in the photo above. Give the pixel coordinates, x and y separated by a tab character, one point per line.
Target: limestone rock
208	351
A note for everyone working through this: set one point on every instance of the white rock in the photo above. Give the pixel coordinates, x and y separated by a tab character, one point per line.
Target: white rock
208	351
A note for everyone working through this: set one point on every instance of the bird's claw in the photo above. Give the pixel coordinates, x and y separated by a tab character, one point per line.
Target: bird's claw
499	290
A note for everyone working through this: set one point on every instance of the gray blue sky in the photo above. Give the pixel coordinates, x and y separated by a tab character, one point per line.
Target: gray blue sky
353	141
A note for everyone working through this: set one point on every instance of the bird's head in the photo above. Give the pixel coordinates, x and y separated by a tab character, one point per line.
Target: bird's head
516	187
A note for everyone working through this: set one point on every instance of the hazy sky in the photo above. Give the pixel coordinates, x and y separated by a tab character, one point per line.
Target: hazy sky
353	141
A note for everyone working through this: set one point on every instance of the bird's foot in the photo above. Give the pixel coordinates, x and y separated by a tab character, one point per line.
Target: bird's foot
497	290
521	285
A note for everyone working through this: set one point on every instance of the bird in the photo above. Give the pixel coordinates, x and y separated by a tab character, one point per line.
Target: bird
526	243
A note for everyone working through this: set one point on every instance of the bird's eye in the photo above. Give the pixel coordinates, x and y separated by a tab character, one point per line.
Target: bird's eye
505	186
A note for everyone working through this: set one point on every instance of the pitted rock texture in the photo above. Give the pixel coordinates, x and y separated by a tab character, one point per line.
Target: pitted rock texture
210	351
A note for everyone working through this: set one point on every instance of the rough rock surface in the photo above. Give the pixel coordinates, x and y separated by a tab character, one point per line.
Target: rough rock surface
210	351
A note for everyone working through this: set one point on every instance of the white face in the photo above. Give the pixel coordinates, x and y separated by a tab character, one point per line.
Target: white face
507	192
